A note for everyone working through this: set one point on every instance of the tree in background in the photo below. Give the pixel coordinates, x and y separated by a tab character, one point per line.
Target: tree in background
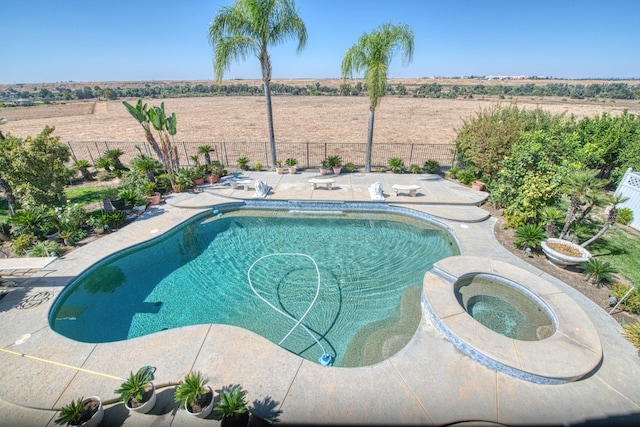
373	54
32	171
166	128
250	27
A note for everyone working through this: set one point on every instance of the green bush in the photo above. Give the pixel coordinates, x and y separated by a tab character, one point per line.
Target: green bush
350	167
45	248
529	236
632	332
625	216
415	169
454	171
466	176
431	166
598	271
104	176
22	243
257	167
632	302
396	164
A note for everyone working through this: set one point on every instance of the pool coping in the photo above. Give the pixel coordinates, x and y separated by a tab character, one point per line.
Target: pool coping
572	352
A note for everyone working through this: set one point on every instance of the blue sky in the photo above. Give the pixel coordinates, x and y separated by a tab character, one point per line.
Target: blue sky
121	40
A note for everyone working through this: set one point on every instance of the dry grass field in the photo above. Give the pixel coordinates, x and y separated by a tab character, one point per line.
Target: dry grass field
296	118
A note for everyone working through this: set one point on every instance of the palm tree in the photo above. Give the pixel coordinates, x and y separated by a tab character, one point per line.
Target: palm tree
372	54
585	192
205	150
612	217
250	27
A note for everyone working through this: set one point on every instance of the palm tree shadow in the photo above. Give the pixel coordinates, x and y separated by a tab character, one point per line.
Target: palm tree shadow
264	412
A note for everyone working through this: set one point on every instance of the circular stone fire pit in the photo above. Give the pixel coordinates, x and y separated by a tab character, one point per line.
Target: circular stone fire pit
558	343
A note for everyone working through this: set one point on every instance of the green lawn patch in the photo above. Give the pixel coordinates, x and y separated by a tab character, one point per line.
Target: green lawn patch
621	247
86	194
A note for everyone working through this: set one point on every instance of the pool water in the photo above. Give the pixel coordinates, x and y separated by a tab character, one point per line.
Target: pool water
493	302
197	274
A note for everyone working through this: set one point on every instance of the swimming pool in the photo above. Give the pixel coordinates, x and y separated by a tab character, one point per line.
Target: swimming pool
371	266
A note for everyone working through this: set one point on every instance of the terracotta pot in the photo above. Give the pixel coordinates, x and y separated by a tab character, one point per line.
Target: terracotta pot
155	199
292	170
324	171
212	179
279	170
337	170
477	185
198	181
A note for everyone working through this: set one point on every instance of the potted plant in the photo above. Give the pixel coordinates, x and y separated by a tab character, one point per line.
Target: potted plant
153	196
324	167
477	185
195	395
291	163
129	198
232	407
279	168
215	170
335	163
98	224
138	392
82	412
111	194
197	175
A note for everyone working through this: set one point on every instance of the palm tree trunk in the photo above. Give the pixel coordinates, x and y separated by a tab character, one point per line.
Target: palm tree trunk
571	215
603	230
367	156
272	137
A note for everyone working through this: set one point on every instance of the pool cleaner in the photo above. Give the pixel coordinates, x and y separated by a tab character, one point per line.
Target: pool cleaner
326	359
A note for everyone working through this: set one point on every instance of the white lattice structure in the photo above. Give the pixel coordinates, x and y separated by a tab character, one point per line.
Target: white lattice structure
630	187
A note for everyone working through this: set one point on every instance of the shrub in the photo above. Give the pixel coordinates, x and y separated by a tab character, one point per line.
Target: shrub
396	164
22	243
104	176
243	163
350	167
71	216
625	216
597	271
632	332
632	302
45	248
529	236
415	169
381	170
431	166
257	167
454	171
466	176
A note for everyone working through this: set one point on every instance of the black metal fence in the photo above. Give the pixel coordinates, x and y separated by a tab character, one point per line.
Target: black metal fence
308	154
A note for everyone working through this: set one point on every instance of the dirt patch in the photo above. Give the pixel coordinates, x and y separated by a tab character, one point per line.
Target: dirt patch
296	118
570	275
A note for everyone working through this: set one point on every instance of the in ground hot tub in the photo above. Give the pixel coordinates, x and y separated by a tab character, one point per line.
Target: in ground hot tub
504	307
511	320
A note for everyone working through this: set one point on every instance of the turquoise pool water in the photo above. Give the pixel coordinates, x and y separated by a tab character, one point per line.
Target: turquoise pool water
197	274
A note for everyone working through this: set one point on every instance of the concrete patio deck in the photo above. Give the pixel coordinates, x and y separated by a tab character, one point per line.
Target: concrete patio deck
429	382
